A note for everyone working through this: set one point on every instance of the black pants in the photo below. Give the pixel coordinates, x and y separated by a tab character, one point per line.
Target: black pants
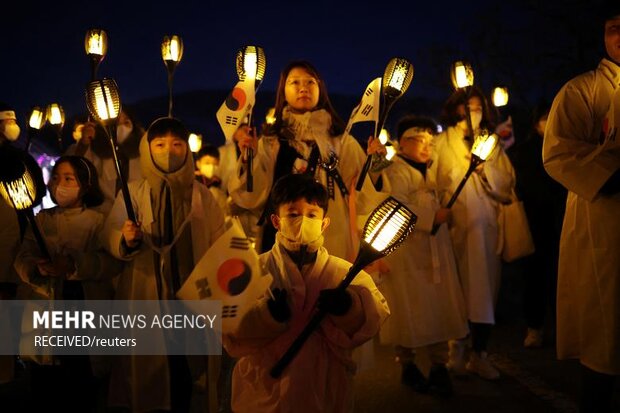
480	334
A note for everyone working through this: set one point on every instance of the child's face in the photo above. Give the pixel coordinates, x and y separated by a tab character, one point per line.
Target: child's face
168	152
65	186
290	217
208	166
417	144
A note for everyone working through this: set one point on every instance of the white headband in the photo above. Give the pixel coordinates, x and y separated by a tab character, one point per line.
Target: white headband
7	114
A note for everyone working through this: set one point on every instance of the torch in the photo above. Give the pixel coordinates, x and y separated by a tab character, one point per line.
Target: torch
500	96
96	45
56	117
462	76
194	142
36	120
482	148
386	228
171	52
18	187
251	64
396	80
104	105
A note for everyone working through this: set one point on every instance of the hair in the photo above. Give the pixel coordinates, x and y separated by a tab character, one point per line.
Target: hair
5	107
324	103
608	10
293	187
208	149
415	121
130	147
87	177
167	126
450	115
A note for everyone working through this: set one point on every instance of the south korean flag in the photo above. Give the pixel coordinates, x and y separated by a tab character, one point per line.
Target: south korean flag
229	271
368	108
236	106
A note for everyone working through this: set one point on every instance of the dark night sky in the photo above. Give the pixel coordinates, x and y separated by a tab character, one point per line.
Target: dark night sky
43	56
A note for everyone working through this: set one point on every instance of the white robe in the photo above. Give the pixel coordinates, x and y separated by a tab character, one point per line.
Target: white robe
422	287
474	228
74	232
142	382
581	151
319	378
340	236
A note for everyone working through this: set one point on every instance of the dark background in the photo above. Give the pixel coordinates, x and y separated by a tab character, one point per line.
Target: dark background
533	47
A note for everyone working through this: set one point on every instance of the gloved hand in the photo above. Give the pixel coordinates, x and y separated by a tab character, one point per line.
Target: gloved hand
278	306
334	301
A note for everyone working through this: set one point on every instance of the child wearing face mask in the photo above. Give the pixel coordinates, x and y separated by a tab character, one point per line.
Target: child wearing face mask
422	287
79	269
94	145
208	173
178	220
319	378
474	227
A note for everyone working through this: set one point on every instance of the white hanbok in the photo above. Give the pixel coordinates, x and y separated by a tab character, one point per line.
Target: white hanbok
474	228
422	287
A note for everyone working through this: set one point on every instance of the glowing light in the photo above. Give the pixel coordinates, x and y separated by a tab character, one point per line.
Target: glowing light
172	48
484	144
391	151
270	118
384	136
55	114
20	192
37	119
462	75
388	225
96	42
195	142
500	96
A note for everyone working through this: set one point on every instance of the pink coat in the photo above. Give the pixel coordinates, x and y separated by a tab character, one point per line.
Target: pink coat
319	379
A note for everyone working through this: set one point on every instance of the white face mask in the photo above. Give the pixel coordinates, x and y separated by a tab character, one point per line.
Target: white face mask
66	196
168	162
476	118
301	229
209	170
11	131
122	132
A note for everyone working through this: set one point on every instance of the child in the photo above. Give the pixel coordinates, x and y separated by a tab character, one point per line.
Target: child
319	378
208	173
178	220
422	287
79	269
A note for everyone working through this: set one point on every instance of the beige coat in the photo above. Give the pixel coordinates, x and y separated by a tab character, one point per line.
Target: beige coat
422	287
581	151
474	228
74	232
142	382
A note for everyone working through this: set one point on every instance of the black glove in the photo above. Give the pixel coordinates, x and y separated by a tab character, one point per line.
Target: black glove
334	301
278	306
